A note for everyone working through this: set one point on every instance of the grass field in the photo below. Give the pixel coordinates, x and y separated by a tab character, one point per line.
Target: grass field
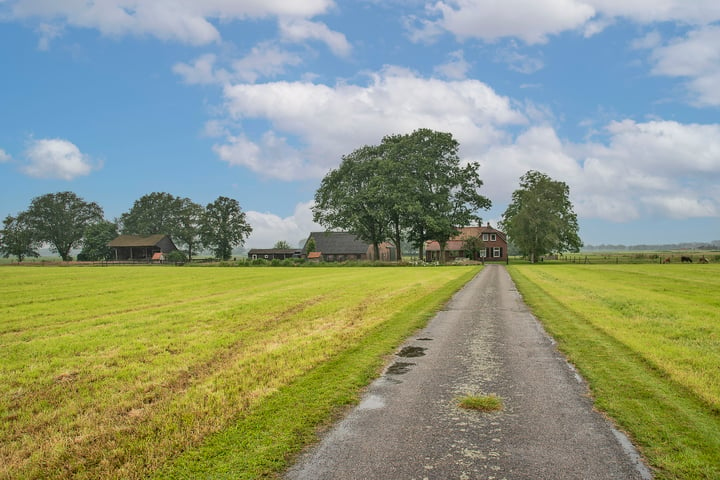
135	372
647	339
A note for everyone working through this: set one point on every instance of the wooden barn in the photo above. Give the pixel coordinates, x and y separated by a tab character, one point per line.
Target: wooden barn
342	246
141	248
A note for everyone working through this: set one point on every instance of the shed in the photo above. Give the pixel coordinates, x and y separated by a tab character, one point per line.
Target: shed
141	248
338	246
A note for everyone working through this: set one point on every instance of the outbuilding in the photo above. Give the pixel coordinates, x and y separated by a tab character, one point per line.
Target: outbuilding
140	248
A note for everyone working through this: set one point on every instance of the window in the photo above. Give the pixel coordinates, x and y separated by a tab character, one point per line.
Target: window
492	237
485	237
497	252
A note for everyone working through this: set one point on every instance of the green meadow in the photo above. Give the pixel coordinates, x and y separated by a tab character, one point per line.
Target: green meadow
141	372
647	339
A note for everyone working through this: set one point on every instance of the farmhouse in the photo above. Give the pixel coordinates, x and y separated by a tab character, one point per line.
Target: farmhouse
341	246
141	248
494	245
274	253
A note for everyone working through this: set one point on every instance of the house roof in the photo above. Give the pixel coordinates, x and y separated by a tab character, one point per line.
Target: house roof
338	243
457	242
136	241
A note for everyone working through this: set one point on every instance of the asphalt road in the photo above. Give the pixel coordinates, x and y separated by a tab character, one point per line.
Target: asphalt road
408	425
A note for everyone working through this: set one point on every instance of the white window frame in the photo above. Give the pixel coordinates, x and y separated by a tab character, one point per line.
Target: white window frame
496	252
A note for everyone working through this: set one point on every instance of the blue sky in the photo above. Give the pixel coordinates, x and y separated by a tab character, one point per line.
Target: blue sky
258	99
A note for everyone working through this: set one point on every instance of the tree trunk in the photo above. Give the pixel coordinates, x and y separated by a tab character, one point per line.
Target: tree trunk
376	251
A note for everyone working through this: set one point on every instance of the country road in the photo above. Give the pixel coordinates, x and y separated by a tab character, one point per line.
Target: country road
408	425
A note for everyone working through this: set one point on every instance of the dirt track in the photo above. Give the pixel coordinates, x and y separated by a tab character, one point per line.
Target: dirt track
408	426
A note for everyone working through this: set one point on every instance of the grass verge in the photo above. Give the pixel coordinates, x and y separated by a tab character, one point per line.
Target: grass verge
612	324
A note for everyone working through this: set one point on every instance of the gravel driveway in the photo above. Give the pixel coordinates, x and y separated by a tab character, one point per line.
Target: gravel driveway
408	424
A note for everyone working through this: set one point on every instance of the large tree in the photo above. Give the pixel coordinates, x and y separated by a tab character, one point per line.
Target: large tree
17	239
434	192
97	236
223	227
187	232
151	214
61	219
540	218
353	197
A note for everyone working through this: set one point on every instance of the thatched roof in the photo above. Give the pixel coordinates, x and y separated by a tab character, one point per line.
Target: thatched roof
338	243
136	241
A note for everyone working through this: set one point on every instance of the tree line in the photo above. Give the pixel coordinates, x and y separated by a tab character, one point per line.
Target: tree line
415	188
409	188
66	221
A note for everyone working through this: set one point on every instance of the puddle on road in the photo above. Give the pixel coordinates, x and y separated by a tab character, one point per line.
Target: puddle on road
399	368
411	352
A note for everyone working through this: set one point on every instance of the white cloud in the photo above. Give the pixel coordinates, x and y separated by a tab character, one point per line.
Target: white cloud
530	20
660	169
56	158
269	228
696	57
533	21
265	60
314	125
185	21
298	30
4	156
456	68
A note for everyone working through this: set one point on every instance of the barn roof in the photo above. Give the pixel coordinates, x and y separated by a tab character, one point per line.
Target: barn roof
136	241
338	243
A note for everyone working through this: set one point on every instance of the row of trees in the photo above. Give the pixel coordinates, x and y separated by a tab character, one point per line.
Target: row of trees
65	221
413	187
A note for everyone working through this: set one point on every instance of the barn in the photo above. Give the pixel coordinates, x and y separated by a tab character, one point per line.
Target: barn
140	248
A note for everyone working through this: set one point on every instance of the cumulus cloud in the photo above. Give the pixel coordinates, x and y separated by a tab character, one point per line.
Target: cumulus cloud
269	228
4	156
696	57
456	68
185	21
299	30
657	169
265	60
56	158
534	21
530	20
313	124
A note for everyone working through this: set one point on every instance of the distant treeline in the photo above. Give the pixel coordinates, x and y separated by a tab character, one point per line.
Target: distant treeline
714	245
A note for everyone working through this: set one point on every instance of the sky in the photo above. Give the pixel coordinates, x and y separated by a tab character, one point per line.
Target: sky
258	99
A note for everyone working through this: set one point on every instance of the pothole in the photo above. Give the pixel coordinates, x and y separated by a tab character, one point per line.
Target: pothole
425	339
410	352
399	368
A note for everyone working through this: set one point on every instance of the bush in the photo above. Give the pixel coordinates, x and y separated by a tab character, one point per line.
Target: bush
176	256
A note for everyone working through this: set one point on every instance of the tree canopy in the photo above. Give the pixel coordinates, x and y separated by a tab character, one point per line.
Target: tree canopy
61	219
410	186
97	236
224	227
540	218
17	238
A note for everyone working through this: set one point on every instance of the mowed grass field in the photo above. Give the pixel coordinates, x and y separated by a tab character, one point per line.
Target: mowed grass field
165	372
647	339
